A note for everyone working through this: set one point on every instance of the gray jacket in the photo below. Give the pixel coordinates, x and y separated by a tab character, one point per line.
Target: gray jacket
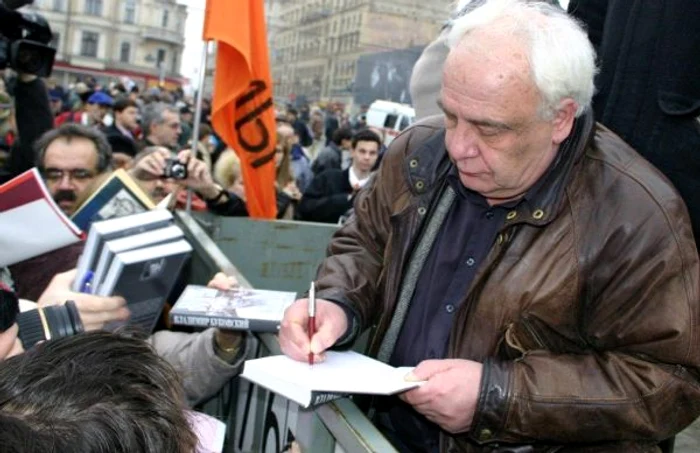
193	356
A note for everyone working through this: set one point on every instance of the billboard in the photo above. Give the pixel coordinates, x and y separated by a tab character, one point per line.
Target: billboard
385	75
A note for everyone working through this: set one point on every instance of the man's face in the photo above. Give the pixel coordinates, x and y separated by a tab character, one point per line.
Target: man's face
56	106
69	168
346	145
168	131
187	117
364	156
158	188
127	118
97	112
495	137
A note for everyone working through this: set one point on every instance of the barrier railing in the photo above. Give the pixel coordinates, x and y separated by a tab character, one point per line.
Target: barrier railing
284	256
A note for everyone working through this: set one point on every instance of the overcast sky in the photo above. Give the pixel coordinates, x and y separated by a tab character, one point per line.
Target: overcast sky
192	55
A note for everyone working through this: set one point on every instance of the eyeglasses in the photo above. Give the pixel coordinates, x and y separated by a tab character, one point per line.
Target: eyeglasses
78	174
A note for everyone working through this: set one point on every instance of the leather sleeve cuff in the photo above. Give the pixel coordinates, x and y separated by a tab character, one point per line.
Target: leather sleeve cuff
492	408
338	297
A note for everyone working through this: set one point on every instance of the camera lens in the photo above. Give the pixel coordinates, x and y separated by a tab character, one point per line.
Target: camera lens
47	323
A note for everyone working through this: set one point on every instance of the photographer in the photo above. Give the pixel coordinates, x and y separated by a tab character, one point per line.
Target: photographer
159	174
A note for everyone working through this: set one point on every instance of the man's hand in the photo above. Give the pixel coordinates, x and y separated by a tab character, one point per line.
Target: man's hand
199	177
226	339
450	395
152	166
331	324
95	311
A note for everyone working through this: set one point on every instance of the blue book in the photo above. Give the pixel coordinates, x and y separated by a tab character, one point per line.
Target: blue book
118	196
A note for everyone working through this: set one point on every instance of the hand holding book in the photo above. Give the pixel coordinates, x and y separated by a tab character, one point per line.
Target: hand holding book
331	324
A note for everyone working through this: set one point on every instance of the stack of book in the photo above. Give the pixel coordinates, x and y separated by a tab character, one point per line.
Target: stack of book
138	257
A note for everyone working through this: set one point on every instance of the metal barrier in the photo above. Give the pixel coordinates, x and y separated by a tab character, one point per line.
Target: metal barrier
283	256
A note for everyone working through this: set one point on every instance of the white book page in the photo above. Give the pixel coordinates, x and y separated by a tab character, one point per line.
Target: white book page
31	230
341	372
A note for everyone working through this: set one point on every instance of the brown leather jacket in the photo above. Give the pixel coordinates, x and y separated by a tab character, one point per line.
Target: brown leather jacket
585	313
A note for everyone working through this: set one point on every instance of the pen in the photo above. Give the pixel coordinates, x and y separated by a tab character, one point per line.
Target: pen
86	285
312	318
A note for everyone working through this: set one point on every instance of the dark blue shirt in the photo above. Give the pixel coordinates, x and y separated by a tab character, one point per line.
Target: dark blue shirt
461	245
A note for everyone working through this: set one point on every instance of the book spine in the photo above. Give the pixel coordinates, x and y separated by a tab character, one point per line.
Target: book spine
222	322
320	398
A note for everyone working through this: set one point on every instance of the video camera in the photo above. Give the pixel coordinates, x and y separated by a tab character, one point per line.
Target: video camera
23	40
40	324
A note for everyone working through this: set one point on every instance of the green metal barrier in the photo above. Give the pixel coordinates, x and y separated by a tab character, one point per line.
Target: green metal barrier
283	256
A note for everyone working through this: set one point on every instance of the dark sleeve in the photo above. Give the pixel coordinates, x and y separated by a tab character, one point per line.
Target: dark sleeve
232	207
34	118
319	206
592	13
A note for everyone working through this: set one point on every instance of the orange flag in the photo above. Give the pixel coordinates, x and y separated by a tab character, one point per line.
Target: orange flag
242	109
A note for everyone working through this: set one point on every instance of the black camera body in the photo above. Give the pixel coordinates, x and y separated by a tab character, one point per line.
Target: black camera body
24	39
175	169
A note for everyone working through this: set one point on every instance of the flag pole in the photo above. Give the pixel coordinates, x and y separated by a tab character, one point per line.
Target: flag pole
198	113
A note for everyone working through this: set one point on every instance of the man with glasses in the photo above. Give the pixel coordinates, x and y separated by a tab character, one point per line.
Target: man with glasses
69	158
161	126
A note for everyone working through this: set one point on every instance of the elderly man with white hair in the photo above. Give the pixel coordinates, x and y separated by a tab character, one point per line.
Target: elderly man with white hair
540	276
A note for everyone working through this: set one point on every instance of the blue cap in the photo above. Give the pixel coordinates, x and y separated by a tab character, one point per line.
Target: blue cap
100	98
55	95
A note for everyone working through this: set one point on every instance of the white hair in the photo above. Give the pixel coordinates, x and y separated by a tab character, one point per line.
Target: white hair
562	59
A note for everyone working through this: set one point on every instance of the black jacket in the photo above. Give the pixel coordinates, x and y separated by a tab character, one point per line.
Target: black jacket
648	89
327	198
34	118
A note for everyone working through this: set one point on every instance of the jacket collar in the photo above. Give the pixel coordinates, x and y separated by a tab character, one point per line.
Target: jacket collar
428	165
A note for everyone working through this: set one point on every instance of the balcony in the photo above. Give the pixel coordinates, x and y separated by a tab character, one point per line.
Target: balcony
162	35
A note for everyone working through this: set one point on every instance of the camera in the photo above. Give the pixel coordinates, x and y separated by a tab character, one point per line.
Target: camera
174	169
49	323
24	39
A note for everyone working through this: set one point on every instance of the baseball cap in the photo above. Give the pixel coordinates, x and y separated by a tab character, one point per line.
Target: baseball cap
101	98
55	95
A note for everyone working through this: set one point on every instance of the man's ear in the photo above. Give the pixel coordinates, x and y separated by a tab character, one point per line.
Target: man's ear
563	121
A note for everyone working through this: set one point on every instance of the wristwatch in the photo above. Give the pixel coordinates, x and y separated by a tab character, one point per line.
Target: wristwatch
228	354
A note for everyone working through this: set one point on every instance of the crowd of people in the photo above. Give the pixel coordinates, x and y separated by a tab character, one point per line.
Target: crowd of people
538	274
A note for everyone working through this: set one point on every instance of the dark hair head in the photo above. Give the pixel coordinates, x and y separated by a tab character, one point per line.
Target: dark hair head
293	112
122	144
124	103
70	131
344	133
204	130
92	393
366	135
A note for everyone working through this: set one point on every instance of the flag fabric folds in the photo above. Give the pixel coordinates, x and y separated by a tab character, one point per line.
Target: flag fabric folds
242	108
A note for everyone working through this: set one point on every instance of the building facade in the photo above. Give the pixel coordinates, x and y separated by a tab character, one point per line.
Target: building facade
318	43
141	40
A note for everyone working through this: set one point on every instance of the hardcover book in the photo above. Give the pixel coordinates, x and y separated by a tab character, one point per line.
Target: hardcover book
256	310
118	196
341	374
144	278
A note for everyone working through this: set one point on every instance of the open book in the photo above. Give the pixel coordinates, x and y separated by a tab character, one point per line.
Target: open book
342	373
118	196
256	310
31	223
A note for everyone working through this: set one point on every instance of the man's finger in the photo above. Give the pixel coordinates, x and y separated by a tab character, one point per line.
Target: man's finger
324	338
428	368
295	342
95	304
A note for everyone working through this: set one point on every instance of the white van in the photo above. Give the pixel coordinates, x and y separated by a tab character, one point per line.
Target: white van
390	117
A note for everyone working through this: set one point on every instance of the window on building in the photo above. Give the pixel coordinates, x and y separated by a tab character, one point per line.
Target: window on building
166	16
59	5
130	12
161	57
125	52
88	44
93	7
173	65
55	40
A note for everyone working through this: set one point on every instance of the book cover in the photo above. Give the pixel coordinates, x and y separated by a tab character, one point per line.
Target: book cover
342	373
256	310
31	223
133	242
101	232
118	196
145	278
